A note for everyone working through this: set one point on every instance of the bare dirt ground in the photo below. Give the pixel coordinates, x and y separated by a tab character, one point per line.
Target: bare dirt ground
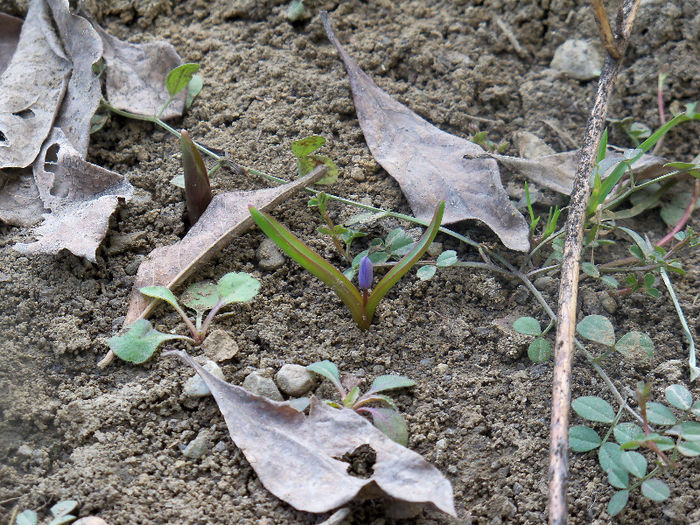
113	439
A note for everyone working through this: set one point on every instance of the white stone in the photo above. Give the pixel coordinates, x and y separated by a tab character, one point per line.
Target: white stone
196	387
579	59
294	380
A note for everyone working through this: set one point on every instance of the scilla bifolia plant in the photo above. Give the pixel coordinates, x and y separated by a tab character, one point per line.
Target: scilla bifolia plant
361	305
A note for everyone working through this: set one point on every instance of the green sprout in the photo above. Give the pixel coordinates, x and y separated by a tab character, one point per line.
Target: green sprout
383	410
361	306
139	343
60	514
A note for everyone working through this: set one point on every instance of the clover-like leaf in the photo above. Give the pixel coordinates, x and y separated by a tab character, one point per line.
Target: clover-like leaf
389	421
138	344
635	463
390	382
594	408
689	448
583	438
527	326
425	273
626	432
659	414
64	507
618	502
618	478
27	517
446	258
160	292
200	297
598	329
610	457
590	269
635	345
304	147
539	350
695	409
655	489
237	287
179	77
679	396
690	431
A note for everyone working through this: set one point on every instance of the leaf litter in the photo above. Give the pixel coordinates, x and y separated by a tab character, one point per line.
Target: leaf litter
277	440
429	164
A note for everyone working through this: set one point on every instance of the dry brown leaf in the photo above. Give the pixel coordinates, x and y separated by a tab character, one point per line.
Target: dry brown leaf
20	204
80	195
10	28
296	456
31	89
557	171
429	164
136	76
226	218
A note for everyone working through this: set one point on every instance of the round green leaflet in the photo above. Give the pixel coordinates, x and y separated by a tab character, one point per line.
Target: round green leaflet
527	326
598	329
659	414
583	438
237	287
594	408
679	396
539	350
618	502
655	489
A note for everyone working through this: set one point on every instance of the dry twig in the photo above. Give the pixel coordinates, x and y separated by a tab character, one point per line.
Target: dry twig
568	288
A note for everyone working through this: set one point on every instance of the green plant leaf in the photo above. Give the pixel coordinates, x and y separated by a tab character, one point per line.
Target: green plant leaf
695	409
425	273
179	77
610	457
376	398
583	438
626	432
690	431
655	489
659	414
618	502
328	370
312	161
237	287
63	520
598	329
446	258
64	507
679	396
636	345
26	517
398	242
590	269
352	396
619	478
160	292
138	344
539	350
594	408
663	442
304	147
200	297
527	326
194	87
689	448
390	422
390	382
635	463
405	264
315	264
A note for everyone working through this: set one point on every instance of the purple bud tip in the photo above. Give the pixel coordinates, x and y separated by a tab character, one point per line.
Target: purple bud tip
365	277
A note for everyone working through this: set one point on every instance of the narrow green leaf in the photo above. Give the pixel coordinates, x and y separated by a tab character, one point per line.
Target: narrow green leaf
610	457
619	478
583	438
655	489
618	502
636	345
446	258
635	463
200	297
315	264
679	396
689	448
390	422
26	517
237	287
598	329
659	414
690	431
390	382
352	396
179	77
405	264
304	147
326	369
197	187
527	326
539	350
138	344
626	432
594	409
160	292
590	269
194	87
425	273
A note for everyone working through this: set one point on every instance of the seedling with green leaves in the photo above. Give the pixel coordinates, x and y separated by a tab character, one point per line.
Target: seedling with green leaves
60	514
383	410
139	343
622	457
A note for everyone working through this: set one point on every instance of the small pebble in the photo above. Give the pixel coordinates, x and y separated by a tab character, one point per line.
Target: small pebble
195	386
90	520
546	284
198	446
256	383
268	255
357	174
531	146
294	380
435	249
609	304
219	346
133	266
442	368
579	59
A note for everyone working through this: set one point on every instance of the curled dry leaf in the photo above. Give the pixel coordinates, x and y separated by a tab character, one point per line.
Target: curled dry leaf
10	28
296	456
20	204
557	171
31	89
429	164
80	195
136	76
225	218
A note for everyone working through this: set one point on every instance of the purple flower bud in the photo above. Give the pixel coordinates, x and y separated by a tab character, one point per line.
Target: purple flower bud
364	278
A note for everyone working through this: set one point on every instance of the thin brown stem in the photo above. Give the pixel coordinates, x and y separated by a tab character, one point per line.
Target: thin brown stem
606	34
568	289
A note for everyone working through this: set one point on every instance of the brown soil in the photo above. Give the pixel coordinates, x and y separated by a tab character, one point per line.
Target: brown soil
113	439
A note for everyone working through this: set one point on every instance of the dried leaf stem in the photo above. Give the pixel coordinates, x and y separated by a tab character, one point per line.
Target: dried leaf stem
568	289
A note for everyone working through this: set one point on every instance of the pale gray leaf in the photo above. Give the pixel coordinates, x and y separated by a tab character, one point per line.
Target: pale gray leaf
10	28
